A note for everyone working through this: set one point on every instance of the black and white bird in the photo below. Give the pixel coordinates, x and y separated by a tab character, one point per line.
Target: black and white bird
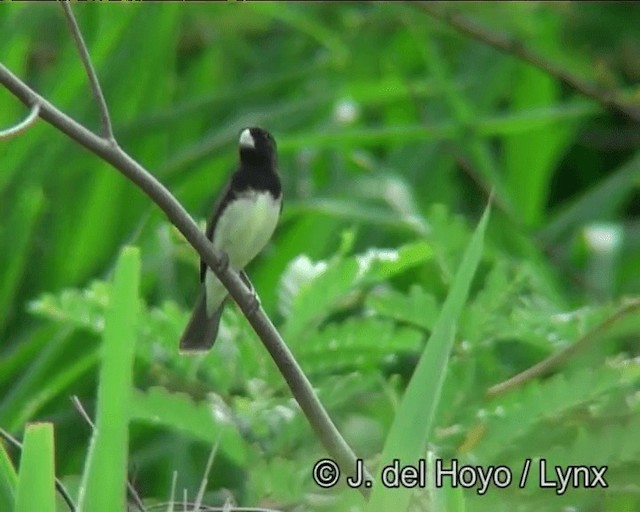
244	218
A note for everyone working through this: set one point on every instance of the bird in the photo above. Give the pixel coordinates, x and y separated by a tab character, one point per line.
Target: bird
244	218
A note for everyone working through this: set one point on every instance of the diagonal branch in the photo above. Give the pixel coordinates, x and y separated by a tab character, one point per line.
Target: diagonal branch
609	100
554	360
105	119
110	152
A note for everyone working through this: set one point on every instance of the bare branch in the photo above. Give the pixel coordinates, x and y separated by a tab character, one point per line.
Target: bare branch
105	119
297	381
609	100
564	355
23	125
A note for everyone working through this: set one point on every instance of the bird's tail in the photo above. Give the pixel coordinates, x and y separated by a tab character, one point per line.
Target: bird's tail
202	329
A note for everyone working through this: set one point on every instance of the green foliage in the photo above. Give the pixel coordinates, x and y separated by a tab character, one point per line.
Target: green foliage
210	422
521	414
393	131
412	425
102	488
8	480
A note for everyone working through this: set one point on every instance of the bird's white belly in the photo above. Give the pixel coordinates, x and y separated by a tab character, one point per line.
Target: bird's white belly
242	231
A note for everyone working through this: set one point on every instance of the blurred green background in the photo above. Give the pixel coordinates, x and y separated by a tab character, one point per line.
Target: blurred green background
393	130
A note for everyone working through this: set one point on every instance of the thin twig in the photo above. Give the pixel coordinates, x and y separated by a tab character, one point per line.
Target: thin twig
133	494
23	125
564	355
205	476
174	482
297	381
610	100
83	412
105	119
59	485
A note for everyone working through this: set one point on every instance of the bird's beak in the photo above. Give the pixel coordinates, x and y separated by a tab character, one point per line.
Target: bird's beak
246	139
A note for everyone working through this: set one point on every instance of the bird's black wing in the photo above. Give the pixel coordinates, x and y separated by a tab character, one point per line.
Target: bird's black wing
221	203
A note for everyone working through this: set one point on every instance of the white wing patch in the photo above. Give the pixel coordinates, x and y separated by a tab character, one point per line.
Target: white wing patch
245	227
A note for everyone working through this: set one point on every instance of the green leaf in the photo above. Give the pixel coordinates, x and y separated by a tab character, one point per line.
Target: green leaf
607	193
19	229
310	291
378	265
417	308
411	428
317	299
105	475
8	480
210	421
522	412
362	344
36	478
530	158
83	309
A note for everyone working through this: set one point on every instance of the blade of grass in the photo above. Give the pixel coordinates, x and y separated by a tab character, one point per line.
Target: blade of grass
447	497
56	384
488	126
104	480
30	377
36	480
14	363
451	499
464	114
351	211
294	16
103	201
530	157
163	119
607	194
18	228
8	481
411	428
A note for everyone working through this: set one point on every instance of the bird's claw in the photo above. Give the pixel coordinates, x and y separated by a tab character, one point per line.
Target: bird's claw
254	303
223	263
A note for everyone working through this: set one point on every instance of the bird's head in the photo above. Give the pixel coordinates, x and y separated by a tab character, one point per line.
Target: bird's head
257	146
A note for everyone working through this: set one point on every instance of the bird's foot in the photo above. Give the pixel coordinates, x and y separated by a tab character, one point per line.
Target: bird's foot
255	301
245	279
223	263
